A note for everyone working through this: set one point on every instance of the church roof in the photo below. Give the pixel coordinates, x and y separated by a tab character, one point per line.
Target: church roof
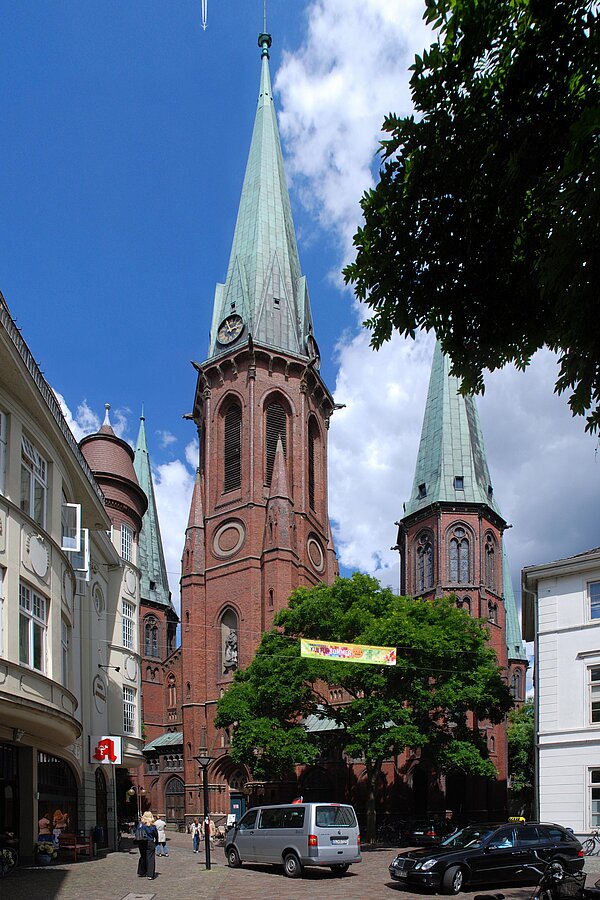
451	464
514	641
264	285
154	583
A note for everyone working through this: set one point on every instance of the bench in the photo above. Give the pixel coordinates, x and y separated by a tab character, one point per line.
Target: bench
76	844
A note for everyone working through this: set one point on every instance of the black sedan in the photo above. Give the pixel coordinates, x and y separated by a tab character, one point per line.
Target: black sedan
484	854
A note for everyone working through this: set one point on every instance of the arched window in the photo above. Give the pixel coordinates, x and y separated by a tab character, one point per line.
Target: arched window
232	448
151	636
275	428
459	556
493	612
492	744
313	451
229	642
490	561
424	561
464	603
515	686
188	690
171	691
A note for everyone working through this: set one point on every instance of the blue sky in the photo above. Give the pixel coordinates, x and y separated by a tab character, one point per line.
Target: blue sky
126	129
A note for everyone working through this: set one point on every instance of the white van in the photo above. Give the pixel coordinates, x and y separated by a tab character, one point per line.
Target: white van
296	835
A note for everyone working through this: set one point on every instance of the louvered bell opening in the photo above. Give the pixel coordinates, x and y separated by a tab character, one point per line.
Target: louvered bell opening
311	467
233	448
276	428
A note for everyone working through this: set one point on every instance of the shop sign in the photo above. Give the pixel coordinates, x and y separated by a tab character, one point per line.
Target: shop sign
105	749
352	653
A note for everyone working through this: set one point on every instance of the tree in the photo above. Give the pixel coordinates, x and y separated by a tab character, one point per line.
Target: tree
521	740
445	671
485	223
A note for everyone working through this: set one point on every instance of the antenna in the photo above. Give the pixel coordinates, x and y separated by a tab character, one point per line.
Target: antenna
265	16
205	13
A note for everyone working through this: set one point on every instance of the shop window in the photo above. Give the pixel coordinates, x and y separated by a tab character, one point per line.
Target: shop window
128	624
34	482
33	619
57	789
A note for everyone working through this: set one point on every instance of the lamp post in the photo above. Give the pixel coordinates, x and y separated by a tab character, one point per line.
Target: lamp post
204	762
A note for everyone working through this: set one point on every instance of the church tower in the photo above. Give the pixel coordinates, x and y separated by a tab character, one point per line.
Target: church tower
450	540
258	524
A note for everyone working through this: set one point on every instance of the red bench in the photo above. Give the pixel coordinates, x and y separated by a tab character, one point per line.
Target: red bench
76	844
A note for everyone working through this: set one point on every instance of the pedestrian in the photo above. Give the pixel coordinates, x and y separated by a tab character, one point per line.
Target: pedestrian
212	829
161	847
195	830
147	847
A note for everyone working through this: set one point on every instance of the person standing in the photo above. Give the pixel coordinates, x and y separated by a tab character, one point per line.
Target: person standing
195	830
211	830
161	847
147	847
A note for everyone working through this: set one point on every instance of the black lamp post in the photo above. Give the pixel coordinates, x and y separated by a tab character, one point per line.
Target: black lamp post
204	762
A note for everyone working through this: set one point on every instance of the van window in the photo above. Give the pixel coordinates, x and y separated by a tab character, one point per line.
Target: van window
293	817
271	818
332	816
249	820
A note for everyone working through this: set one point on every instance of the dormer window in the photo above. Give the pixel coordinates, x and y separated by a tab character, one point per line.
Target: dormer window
276	302
490	491
459	483
422	490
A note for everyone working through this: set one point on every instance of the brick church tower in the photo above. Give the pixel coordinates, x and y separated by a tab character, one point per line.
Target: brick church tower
258	524
451	541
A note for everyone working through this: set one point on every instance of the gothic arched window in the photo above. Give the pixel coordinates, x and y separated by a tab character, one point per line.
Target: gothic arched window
493	612
171	692
464	603
424	561
151	636
275	429
232	447
313	450
490	561
515	686
228	633
459	556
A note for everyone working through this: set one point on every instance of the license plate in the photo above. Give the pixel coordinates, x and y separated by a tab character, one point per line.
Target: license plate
339	840
402	874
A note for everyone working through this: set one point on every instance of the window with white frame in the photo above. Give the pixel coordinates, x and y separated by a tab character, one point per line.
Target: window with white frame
594	595
594	694
128	611
2	571
126	542
594	798
34	482
128	709
3	449
65	642
70	530
33	619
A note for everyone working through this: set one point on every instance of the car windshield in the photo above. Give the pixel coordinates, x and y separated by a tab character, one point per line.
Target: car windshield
473	836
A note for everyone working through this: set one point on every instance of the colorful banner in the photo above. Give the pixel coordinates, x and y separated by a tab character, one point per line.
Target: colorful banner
354	653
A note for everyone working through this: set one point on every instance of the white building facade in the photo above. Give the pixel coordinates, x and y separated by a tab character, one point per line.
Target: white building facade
561	615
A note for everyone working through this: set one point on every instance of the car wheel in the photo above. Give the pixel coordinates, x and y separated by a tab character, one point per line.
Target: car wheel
340	868
233	858
292	866
452	880
558	861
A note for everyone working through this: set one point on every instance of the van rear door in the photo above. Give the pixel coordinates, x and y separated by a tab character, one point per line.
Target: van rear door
337	834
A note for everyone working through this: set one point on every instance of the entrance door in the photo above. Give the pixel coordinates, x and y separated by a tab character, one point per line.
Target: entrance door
237	806
174	800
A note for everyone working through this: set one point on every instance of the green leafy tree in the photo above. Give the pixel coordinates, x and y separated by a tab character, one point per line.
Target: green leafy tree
445	670
521	739
485	223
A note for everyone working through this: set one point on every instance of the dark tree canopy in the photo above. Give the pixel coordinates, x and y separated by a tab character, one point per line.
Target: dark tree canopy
445	671
521	742
485	224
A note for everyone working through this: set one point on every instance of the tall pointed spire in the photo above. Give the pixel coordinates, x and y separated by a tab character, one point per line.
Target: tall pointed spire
264	294
514	641
451	463
154	583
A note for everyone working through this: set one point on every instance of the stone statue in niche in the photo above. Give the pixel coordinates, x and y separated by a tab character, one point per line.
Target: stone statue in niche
230	652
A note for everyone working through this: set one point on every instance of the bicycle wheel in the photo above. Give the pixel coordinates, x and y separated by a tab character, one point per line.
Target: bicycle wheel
588	847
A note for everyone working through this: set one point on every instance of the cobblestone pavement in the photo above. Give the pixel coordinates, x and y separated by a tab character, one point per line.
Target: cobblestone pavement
182	876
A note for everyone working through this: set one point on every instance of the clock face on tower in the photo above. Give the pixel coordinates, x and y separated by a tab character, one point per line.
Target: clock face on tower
230	329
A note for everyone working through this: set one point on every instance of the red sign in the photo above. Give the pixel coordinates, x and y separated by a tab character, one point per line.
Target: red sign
105	749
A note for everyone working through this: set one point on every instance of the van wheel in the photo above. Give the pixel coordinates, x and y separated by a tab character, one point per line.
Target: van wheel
233	858
340	868
452	880
292	866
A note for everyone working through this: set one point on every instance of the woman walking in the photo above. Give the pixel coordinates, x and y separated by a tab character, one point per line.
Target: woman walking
147	847
195	832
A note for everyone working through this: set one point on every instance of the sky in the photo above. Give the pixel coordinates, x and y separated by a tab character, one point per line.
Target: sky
125	133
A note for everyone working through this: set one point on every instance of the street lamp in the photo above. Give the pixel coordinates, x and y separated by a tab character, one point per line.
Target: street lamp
204	762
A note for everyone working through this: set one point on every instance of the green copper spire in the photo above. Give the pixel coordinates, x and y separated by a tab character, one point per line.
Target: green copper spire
264	294
451	464
514	641
154	584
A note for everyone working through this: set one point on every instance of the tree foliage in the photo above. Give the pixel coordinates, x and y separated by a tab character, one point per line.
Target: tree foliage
521	740
445	670
485	223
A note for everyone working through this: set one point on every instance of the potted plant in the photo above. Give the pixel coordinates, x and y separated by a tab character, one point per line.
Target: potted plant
45	852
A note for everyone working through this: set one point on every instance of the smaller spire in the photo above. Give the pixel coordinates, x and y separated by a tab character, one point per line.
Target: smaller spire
142	416
106	415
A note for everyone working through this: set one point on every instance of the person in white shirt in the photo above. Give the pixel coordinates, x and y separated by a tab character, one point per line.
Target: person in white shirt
161	847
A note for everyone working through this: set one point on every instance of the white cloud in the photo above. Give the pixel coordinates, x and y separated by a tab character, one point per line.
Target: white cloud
85	421
166	439
173	483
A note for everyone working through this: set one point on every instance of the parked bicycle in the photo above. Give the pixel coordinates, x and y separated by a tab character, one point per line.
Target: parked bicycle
555	883
591	846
